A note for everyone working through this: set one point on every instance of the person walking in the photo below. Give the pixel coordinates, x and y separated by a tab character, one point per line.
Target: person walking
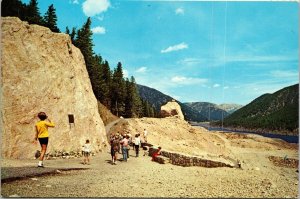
137	142
86	152
129	143
124	143
42	134
114	142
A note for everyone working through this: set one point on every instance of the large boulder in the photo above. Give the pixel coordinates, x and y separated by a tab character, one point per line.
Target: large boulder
171	109
43	71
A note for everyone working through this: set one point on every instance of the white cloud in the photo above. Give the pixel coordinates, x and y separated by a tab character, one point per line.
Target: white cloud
179	11
125	73
190	61
94	7
180	46
141	69
226	87
216	85
284	74
187	80
74	2
100	18
255	58
98	30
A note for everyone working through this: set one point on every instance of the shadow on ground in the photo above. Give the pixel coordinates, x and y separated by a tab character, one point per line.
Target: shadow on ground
9	174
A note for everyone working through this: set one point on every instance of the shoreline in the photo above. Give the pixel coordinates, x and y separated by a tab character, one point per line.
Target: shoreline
286	137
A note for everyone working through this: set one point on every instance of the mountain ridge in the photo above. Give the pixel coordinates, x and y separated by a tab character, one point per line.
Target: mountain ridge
157	99
276	112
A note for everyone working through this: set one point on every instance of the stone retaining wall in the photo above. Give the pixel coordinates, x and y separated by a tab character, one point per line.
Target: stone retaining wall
187	161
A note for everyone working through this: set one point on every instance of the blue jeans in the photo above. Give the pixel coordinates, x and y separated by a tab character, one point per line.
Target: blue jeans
124	151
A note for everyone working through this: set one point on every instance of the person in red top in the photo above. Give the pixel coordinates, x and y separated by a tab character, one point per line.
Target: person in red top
157	153
42	134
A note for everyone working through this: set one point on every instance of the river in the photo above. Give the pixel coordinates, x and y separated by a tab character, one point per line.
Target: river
287	138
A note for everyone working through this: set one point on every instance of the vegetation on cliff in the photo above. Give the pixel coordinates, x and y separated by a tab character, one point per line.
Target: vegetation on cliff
30	13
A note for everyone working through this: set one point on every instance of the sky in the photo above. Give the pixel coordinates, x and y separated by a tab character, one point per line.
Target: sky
194	51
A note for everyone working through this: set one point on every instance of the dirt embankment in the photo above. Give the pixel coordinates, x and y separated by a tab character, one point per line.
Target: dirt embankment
179	136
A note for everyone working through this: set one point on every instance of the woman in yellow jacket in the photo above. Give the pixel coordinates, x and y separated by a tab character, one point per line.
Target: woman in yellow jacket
42	134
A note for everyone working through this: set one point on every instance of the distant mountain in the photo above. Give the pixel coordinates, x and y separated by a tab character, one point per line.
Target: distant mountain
157	99
230	108
210	110
269	112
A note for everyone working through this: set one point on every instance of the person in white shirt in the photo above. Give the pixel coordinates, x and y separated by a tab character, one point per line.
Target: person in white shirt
137	142
86	152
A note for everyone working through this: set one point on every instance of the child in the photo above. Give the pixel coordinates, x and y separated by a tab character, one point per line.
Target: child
42	134
86	152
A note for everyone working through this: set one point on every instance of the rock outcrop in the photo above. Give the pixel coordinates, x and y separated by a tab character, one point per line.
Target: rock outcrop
171	109
43	71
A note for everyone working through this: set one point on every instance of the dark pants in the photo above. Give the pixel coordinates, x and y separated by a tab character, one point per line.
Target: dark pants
127	153
137	148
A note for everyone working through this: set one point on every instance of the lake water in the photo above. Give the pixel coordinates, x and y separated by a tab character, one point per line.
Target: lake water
287	138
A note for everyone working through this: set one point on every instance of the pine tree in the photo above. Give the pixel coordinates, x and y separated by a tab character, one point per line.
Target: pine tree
137	102
118	91
50	19
67	30
13	8
106	77
96	79
84	42
73	34
128	100
33	14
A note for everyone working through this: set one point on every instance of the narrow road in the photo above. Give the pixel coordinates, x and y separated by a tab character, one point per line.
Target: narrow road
108	126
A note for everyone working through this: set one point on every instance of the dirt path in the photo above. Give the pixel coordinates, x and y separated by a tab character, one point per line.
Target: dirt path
108	126
140	177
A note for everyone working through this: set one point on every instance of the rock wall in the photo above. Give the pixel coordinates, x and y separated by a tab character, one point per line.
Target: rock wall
187	161
171	109
43	71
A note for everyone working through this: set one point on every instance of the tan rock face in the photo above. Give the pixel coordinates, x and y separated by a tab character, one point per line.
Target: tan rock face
43	71
171	109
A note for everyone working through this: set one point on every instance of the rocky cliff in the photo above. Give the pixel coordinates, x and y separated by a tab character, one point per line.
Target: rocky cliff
43	71
171	109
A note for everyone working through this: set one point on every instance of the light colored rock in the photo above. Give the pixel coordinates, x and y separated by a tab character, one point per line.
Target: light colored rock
43	71
171	109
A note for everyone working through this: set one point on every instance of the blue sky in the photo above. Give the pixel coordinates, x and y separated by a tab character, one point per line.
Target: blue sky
194	51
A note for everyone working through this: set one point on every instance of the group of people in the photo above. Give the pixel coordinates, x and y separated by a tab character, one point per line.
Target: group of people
120	143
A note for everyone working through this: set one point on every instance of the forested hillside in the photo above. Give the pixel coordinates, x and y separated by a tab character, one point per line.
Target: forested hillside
271	112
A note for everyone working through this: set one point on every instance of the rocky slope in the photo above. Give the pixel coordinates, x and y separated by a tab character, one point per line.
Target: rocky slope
43	71
212	111
230	108
171	109
176	135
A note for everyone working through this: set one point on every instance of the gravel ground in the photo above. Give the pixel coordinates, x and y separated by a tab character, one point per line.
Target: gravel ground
140	177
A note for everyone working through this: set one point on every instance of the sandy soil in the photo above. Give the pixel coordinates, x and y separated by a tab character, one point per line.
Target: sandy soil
140	177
